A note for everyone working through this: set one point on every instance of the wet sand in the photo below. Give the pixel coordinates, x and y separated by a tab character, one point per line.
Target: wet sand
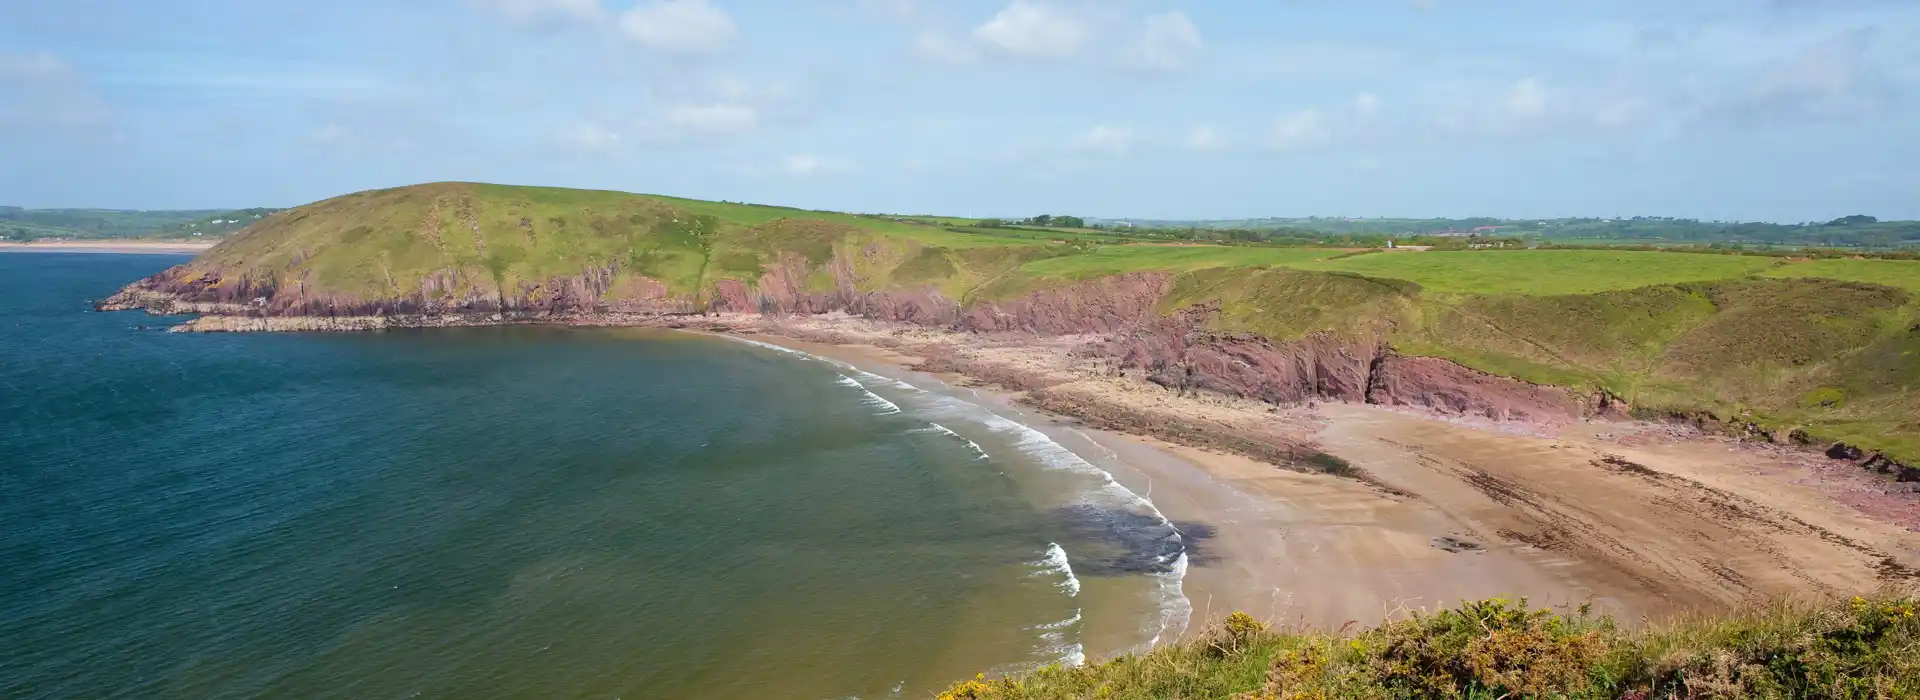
109	246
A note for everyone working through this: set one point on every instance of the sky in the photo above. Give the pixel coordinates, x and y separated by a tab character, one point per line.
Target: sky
1776	110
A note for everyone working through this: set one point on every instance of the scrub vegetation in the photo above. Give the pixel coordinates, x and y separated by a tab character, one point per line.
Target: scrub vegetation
1862	648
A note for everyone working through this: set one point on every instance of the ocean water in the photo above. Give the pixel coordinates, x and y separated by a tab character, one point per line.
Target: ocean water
525	512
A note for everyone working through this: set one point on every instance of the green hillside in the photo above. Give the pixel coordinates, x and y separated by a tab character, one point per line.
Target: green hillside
386	243
17	224
1830	346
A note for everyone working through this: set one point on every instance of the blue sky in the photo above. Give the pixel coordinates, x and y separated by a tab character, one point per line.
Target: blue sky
1784	110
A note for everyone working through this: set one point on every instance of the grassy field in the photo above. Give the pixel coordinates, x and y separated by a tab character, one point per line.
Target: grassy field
1862	648
1904	274
1545	272
1832	346
1116	259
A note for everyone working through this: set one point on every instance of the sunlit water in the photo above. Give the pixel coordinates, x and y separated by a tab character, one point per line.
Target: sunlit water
524	512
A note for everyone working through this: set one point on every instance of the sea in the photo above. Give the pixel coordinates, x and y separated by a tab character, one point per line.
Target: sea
528	512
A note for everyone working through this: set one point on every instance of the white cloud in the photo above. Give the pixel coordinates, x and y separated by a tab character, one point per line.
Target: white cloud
35	67
807	164
338	139
543	12
1030	29
1527	99
40	90
590	137
1111	140
330	135
1366	105
1166	42
934	47
719	118
893	9
1301	129
679	26
1843	76
1206	138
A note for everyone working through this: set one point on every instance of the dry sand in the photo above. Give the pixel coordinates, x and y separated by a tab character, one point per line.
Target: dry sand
1637	519
109	246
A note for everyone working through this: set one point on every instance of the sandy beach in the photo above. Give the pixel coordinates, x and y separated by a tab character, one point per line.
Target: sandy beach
109	246
1422	509
1638	519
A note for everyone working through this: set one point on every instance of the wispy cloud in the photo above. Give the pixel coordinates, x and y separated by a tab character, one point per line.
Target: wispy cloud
679	26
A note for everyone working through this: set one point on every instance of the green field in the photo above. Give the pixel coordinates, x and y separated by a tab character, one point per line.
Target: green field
1116	259
1897	273
1831	346
1546	272
18	224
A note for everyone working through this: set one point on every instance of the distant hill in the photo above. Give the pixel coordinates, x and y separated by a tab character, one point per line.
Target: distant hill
1858	231
18	224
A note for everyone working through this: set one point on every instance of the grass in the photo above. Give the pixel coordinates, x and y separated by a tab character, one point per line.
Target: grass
1545	272
1904	274
1863	648
1116	259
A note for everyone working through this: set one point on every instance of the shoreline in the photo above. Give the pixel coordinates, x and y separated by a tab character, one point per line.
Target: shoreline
1690	522
1283	561
120	246
1640	519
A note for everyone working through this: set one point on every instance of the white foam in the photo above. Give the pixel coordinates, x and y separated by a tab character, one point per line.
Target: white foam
944	430
873	399
1063	624
1176	610
890	381
771	346
1056	562
847	381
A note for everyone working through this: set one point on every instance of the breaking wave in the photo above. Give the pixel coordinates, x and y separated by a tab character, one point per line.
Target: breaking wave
1169	570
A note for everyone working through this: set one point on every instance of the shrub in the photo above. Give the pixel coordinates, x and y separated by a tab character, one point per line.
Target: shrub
1490	647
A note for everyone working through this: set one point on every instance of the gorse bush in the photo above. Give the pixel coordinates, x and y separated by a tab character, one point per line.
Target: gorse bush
1495	649
1486	648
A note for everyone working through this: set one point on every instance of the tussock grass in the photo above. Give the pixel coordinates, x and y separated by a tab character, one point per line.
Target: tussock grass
1486	650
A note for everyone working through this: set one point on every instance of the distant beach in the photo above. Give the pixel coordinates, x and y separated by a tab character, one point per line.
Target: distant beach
109	246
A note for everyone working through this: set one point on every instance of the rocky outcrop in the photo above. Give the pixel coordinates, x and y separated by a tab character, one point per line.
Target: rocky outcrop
1179	352
1104	305
1874	462
597	289
1446	387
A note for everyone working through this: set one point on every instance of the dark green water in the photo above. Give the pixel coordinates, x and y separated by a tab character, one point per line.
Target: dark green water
522	513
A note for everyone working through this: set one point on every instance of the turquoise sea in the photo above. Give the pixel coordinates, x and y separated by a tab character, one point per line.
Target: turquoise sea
525	512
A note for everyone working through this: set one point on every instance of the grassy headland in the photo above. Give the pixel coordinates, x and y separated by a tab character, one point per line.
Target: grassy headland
1828	347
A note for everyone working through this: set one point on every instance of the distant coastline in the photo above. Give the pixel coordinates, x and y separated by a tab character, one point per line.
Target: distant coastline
109	246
